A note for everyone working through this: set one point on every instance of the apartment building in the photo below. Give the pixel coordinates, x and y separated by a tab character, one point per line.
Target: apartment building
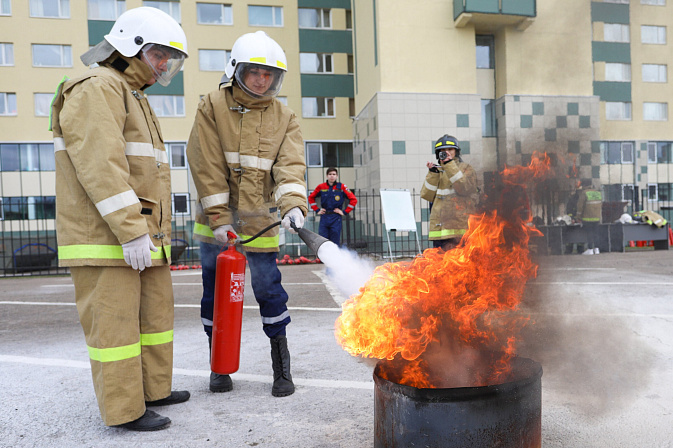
585	81
41	41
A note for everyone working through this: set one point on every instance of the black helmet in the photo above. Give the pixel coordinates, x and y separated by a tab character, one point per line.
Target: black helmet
446	142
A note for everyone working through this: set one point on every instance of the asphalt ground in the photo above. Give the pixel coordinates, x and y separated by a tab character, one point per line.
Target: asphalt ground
603	328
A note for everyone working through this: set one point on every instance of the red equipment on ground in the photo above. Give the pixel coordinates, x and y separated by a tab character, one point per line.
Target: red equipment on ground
228	311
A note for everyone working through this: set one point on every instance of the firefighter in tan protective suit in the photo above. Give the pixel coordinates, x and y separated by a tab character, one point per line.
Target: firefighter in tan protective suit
246	154
113	217
451	186
589	213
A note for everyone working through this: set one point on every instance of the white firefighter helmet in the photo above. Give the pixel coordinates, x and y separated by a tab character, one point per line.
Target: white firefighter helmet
257	51
144	29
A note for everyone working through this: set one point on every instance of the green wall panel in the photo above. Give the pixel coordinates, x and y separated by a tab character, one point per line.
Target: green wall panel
325	41
98	29
613	91
176	87
519	7
345	4
610	13
611	52
327	85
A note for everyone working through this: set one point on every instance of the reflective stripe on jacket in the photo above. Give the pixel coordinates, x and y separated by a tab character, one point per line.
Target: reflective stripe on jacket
453	193
247	160
112	173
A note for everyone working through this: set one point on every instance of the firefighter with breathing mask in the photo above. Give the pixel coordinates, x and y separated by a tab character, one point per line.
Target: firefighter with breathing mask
113	215
451	186
246	154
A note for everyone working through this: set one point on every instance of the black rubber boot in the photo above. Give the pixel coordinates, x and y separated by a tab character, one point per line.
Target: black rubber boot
280	361
219	383
174	398
150	421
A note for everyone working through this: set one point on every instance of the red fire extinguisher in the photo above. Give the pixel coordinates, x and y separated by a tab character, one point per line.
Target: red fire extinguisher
228	311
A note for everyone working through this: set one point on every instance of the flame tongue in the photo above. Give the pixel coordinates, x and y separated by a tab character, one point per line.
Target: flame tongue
447	307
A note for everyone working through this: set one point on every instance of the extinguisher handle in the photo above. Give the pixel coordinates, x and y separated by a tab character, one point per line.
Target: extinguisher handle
231	235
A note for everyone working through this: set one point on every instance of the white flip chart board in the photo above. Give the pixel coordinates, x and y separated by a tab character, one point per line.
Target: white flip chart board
398	210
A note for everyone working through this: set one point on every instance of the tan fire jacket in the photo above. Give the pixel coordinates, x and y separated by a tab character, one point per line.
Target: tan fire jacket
247	160
590	206
112	173
453	193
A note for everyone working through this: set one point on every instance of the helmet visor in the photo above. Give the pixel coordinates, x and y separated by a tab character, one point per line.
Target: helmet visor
165	62
259	81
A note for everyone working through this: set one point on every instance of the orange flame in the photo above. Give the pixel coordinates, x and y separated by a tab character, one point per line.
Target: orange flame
458	302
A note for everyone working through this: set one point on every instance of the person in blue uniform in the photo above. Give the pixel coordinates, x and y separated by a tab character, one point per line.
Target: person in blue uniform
333	196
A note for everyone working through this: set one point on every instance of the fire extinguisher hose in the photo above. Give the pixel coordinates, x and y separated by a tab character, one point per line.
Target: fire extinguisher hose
265	229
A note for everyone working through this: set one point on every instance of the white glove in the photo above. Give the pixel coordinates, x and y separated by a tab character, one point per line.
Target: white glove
137	252
295	215
221	233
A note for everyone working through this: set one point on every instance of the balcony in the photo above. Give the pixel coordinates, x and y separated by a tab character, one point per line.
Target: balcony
488	15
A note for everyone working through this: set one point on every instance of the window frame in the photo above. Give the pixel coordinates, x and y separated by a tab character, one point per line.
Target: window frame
7	102
169	150
227	56
626	148
118	10
663	107
3	54
627	106
9	8
175	105
653	2
61	15
321	19
623	71
50	97
188	202
60	46
623	30
326	103
308	158
658	28
274	11
659	69
225	7
322	59
173	6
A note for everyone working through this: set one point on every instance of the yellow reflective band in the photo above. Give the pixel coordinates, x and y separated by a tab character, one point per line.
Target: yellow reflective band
114	353
446	232
156	338
177	45
438	144
261	60
261	242
203	230
590	219
450	143
103	252
281	65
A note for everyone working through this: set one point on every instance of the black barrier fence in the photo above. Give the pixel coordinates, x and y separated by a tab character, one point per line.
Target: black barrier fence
28	244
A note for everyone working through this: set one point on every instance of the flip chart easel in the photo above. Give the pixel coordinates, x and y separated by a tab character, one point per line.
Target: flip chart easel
398	214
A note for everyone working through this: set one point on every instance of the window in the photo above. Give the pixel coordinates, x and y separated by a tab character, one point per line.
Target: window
167	105
27	157
265	15
313	107
654	73
626	2
42	104
655	111
106	9
282	99
336	154
488	118
653	2
615	32
59	9
652	194
52	55
5	8
30	207
315	18
6	54
180	204
617	111
659	152
170	8
213	60
177	156
653	34
350	64
349	20
617	72
315	63
485	56
665	191
7	103
214	14
615	153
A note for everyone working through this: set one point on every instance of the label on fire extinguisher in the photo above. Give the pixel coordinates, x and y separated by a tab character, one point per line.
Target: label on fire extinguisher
237	283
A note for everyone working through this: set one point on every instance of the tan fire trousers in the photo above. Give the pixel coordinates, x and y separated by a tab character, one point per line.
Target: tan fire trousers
127	318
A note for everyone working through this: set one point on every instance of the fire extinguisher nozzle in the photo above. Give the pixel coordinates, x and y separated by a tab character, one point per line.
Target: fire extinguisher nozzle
312	240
